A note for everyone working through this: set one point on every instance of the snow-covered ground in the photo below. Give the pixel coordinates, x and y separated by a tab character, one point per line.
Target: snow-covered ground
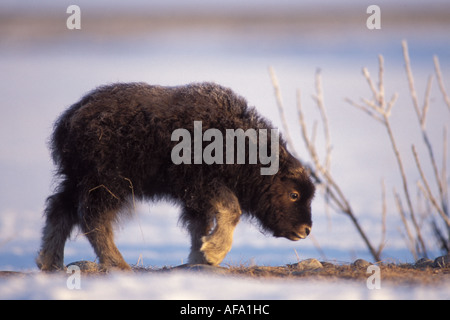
195	286
40	79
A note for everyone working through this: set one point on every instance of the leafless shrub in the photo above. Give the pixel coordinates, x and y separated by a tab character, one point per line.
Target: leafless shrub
380	109
439	201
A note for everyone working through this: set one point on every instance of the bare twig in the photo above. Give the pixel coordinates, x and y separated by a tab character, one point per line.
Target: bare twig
319	102
374	115
296	254
140	260
132	192
427	191
410	238
279	99
383	218
426	103
412	88
366	74
103	186
441	82
134	209
443	179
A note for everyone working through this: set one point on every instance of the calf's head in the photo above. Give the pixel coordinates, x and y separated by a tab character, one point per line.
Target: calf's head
284	208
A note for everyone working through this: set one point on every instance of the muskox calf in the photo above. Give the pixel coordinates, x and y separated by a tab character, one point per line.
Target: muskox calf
116	145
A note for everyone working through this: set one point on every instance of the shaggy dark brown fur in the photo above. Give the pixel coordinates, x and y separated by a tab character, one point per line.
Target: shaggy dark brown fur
116	144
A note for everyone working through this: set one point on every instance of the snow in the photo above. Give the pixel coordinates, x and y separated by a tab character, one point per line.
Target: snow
40	80
194	286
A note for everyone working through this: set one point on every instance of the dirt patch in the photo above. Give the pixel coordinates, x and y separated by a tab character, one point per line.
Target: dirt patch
404	274
4	274
423	272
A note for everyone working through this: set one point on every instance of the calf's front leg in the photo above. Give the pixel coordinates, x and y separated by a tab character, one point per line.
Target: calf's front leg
211	246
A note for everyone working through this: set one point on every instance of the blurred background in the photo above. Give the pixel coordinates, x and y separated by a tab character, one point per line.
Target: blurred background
45	67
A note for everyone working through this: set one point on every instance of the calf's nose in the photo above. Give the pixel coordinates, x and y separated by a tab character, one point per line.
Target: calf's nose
304	230
307	231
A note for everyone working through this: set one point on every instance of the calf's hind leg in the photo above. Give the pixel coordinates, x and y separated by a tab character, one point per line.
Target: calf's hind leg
61	217
101	236
97	225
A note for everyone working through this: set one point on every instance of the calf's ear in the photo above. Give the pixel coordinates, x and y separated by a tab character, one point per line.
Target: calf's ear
291	168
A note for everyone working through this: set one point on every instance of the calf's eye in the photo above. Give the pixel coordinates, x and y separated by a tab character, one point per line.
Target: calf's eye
294	196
